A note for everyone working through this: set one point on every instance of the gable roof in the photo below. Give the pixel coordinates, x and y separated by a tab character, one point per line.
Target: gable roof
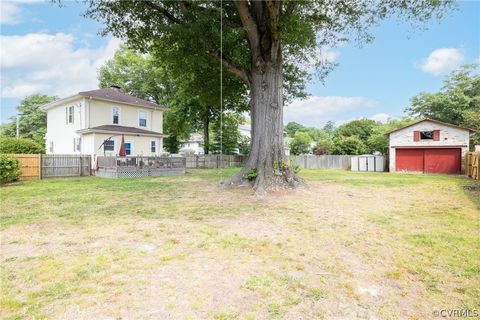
431	120
120	129
108	94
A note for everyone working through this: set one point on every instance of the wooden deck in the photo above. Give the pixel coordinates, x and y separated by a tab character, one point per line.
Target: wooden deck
139	166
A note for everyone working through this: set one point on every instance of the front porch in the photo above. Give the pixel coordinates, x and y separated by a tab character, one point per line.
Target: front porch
139	166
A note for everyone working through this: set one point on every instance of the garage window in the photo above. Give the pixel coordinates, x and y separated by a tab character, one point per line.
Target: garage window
426	135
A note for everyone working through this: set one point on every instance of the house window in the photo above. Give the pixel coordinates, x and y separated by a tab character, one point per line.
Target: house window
51	146
69	114
128	148
109	145
77	144
142	119
426	135
153	146
115	115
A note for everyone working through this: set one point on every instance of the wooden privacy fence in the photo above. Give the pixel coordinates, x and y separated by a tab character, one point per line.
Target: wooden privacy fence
473	165
65	165
30	168
211	161
43	166
322	162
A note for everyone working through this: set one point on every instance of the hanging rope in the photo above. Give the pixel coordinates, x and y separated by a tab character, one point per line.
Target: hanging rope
221	91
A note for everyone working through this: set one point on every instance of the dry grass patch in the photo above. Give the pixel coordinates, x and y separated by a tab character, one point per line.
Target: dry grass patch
351	245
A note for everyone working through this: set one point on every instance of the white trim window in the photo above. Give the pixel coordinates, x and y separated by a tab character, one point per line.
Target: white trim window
116	115
109	145
153	146
142	119
69	111
77	144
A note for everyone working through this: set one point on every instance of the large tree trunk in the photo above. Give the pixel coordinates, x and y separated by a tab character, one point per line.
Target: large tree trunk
206	135
267	154
265	77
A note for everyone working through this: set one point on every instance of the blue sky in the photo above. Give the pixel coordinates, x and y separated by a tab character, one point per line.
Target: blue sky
56	51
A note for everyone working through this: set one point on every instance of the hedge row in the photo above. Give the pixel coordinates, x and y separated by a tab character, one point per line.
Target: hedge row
20	145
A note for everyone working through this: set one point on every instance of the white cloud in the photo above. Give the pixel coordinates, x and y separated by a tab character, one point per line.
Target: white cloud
442	61
315	110
328	55
382	117
49	63
11	11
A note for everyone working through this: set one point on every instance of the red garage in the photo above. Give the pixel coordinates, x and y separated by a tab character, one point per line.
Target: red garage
429	146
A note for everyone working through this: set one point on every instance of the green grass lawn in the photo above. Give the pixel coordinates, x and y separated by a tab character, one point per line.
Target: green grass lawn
351	245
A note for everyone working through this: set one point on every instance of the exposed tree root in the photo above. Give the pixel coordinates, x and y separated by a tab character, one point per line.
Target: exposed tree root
270	182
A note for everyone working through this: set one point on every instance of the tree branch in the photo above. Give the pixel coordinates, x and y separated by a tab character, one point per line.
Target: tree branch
273	12
292	6
162	10
249	24
212	12
242	74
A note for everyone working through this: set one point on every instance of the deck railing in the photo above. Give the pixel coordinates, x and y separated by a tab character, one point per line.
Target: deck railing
140	162
138	166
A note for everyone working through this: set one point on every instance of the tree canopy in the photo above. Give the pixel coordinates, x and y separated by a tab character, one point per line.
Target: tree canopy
33	120
368	136
191	93
267	45
300	143
458	101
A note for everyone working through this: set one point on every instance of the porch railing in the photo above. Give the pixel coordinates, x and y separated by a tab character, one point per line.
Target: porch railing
140	162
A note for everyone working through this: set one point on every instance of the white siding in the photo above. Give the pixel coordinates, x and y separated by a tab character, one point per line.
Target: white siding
101	114
90	113
140	144
62	133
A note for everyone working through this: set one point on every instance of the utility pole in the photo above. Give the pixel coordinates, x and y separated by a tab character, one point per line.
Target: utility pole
18	125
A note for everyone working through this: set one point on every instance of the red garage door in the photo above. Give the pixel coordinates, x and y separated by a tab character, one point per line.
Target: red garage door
441	160
409	160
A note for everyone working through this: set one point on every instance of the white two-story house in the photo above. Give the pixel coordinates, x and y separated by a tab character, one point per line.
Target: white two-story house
93	123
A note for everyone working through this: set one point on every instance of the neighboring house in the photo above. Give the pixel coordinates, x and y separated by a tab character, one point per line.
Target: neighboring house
286	144
245	130
93	122
429	146
194	145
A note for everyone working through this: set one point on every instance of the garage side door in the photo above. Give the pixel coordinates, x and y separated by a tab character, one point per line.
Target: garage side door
443	160
409	160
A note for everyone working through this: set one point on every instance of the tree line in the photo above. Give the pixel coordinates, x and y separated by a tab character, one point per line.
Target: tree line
457	102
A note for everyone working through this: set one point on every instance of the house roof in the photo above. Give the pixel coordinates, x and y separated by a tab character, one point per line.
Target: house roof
107	94
121	129
431	120
117	95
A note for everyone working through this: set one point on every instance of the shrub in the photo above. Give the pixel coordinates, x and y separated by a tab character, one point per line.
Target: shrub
252	174
9	168
20	145
348	145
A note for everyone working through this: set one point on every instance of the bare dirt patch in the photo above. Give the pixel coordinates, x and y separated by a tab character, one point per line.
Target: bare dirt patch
329	251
